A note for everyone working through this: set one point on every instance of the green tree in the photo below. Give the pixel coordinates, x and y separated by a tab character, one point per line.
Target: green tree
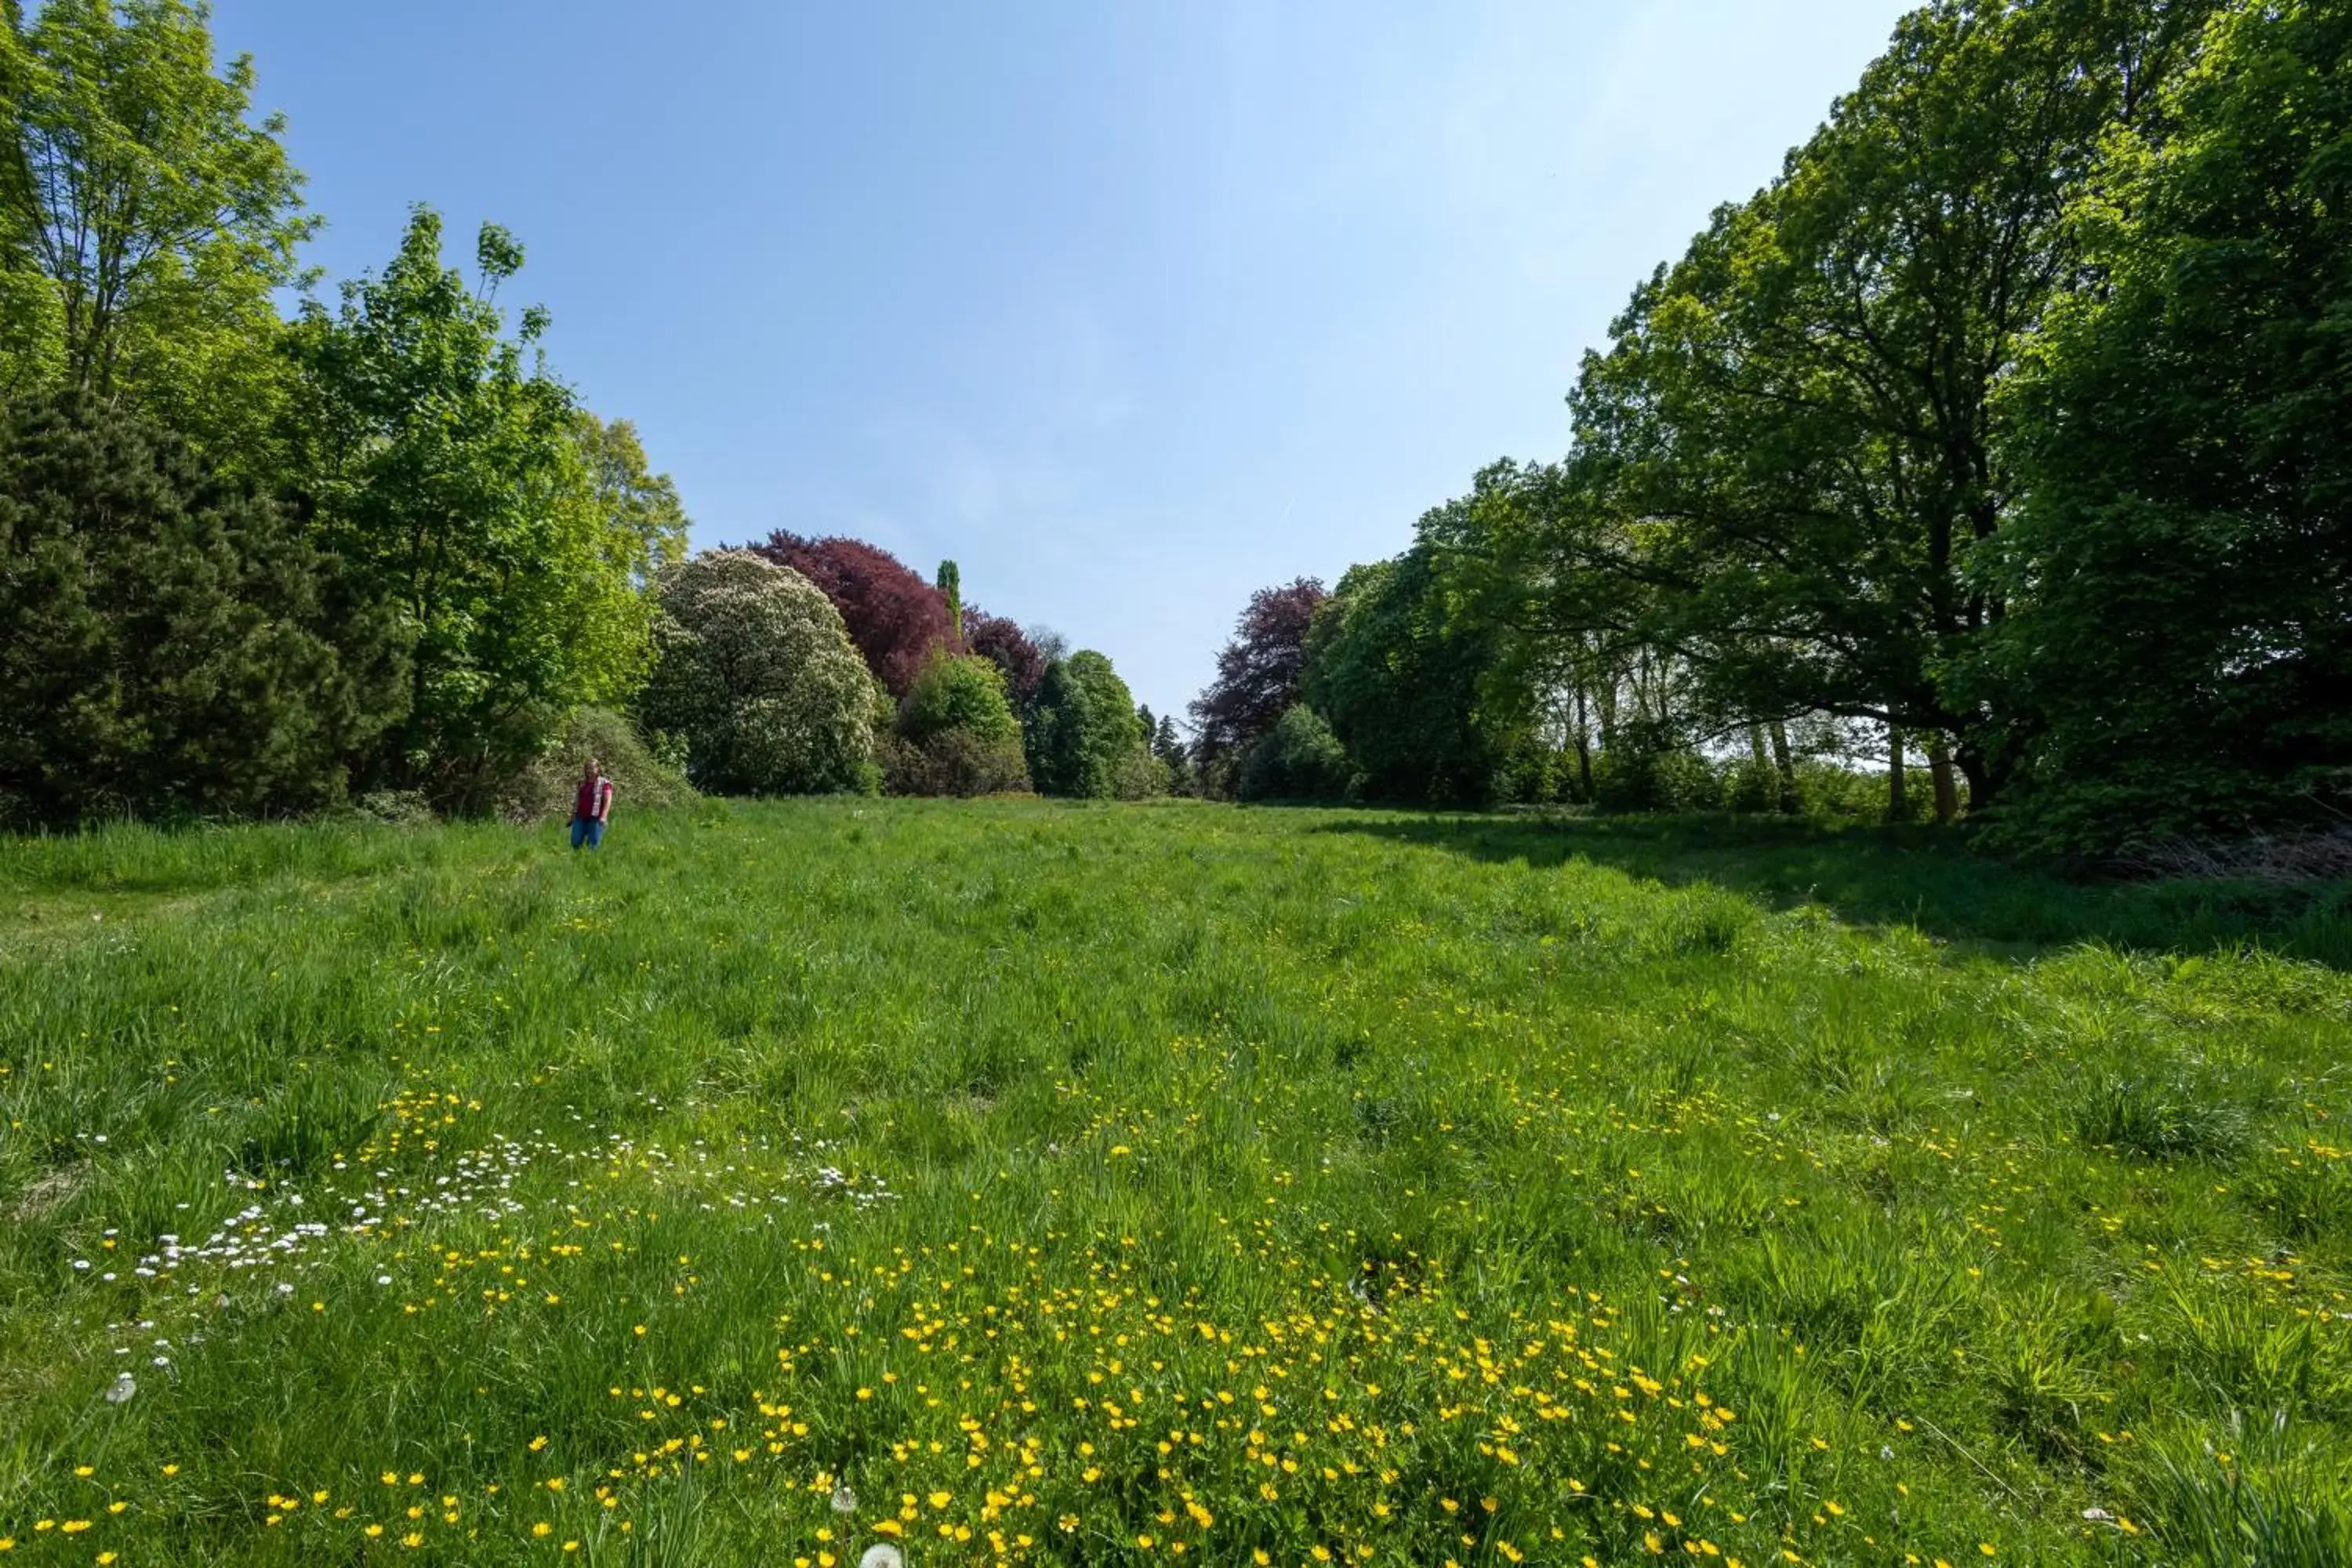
1794	434
166	647
959	692
1298	759
757	675
636	503
950	586
2177	658
145	218
1399	678
956	732
464	491
1082	728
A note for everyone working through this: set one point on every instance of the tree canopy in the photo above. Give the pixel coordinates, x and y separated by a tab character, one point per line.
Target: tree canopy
468	496
2176	659
897	619
1258	672
1082	730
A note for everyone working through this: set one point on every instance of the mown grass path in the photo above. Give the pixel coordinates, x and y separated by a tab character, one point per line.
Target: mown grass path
1115	1186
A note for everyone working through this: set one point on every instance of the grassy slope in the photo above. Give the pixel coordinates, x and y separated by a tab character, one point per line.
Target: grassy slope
1111	1185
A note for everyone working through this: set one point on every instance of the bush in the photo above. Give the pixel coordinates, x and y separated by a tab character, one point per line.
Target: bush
545	791
1648	767
1142	775
955	733
1298	759
954	762
959	692
1534	774
755	672
1751	786
166	647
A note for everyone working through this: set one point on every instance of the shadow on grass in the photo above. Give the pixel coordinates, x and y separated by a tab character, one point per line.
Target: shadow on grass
1905	875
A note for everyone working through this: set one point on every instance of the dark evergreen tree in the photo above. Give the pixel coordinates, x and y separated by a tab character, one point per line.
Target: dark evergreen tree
167	646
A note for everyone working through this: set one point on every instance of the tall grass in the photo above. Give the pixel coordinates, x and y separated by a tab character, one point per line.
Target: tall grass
1087	1185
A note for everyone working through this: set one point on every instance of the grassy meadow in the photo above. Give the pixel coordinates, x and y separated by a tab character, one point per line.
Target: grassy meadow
1021	1182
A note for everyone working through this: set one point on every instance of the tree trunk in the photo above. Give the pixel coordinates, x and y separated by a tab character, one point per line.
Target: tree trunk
1976	768
1583	749
1898	805
1939	765
1787	768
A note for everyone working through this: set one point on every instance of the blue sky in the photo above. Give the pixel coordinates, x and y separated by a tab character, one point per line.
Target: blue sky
1130	308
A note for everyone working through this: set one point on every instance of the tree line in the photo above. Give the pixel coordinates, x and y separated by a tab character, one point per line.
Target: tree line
253	563
2008	432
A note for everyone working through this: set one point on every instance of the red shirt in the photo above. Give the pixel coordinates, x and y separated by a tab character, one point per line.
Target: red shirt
595	802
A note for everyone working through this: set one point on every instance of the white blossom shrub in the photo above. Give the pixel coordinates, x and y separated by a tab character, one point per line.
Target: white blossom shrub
755	672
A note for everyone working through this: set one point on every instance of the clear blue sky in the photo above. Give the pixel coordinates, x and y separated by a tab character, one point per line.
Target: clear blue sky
1131	307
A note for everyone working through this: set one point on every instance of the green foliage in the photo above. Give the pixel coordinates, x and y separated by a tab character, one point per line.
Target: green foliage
505	530
145	220
756	673
642	781
952	763
950	586
956	732
1398	676
167	648
1791	442
1649	766
636	503
2175	660
1299	760
1767	1113
1082	731
959	692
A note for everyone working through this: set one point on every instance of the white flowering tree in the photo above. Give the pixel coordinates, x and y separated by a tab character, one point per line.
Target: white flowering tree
756	673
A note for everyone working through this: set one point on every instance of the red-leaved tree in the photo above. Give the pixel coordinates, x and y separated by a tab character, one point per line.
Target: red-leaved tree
1258	673
895	617
1006	645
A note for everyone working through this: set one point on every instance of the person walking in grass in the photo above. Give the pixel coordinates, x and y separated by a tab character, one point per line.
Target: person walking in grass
592	808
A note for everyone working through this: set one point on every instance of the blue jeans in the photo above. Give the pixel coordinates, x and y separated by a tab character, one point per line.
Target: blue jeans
586	830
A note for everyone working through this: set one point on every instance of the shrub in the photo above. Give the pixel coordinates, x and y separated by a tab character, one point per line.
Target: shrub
959	692
544	790
1647	766
955	733
1298	759
756	673
1142	775
954	762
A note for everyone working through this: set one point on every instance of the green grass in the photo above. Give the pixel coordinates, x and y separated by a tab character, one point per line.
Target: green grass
1122	1186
